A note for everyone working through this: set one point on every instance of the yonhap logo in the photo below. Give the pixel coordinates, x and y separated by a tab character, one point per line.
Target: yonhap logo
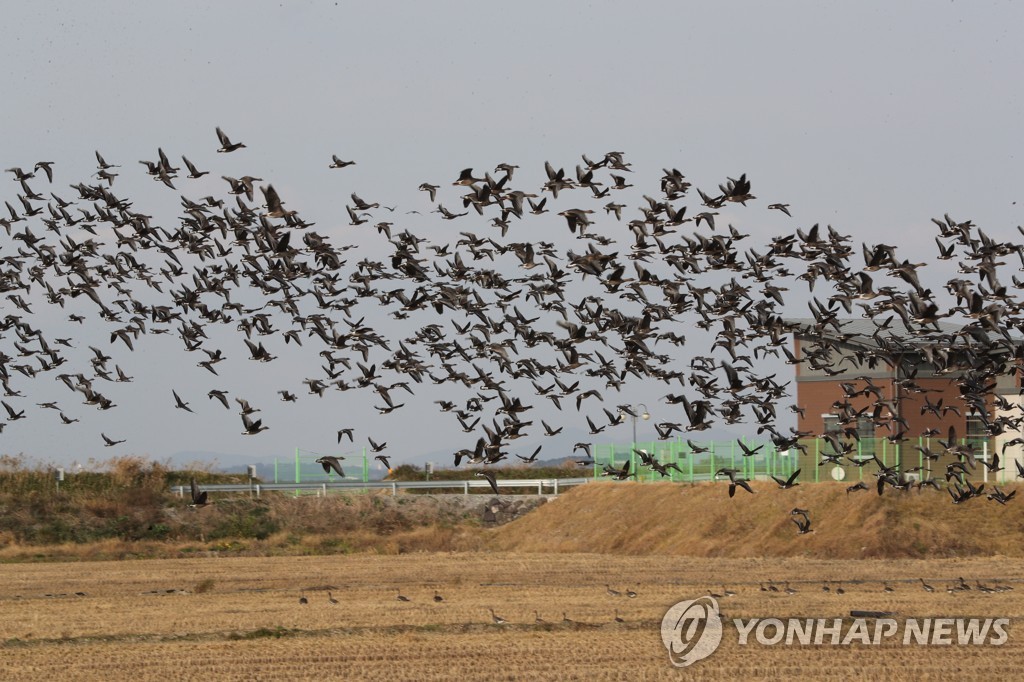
691	630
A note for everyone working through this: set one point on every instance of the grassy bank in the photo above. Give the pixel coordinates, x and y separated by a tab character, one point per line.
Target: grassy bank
701	520
126	510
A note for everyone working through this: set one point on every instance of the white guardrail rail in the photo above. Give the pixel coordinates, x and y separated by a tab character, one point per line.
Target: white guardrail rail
542	485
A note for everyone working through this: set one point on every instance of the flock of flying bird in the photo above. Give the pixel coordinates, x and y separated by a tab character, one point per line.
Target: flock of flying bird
490	314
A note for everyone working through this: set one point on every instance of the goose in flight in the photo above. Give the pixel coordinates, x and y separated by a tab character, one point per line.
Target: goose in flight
860	485
329	462
431	190
489	475
193	172
12	414
1000	496
532	458
110	442
384	460
226	145
804	525
734	480
785	484
179	403
252	427
338	163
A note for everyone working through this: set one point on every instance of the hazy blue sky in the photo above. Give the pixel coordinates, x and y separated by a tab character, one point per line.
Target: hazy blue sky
870	116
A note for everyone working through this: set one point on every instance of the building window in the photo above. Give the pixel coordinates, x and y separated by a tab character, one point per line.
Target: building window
976	429
831	423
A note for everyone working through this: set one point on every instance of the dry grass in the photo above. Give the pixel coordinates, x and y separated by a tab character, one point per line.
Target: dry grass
240	618
276	524
701	520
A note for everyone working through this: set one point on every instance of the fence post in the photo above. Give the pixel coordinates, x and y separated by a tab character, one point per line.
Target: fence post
298	474
984	458
465	487
366	467
817	459
556	487
275	470
258	490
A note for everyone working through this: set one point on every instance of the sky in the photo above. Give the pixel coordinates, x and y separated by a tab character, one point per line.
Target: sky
872	117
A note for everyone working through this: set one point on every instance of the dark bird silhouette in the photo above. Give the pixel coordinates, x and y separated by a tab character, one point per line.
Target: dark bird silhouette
784	483
109	442
489	475
198	496
179	403
226	145
193	172
252	427
329	462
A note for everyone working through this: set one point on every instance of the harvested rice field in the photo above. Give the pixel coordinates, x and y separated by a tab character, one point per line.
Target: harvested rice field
241	618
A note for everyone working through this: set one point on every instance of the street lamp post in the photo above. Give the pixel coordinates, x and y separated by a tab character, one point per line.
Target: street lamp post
632	410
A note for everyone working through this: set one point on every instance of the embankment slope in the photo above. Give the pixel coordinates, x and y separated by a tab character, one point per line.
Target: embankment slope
701	520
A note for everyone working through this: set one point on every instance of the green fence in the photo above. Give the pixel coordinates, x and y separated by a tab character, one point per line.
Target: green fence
712	456
695	466
302	468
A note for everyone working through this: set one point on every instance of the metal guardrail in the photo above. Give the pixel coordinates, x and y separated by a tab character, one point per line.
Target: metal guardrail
541	484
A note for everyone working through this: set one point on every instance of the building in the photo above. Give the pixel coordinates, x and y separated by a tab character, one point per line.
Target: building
896	397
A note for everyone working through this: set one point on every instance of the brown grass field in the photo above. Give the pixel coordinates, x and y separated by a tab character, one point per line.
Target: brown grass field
239	618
